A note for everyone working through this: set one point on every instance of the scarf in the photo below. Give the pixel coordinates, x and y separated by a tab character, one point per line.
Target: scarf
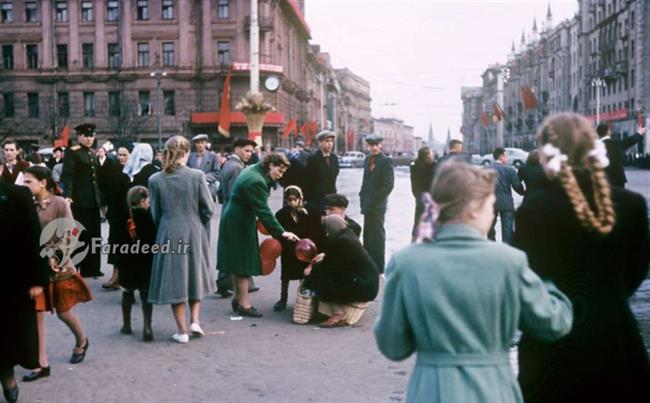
142	155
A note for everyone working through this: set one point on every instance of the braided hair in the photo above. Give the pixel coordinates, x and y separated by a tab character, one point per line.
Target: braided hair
574	135
175	149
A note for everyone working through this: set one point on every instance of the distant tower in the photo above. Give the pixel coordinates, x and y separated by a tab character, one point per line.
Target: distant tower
535	35
522	43
549	18
513	51
448	139
430	140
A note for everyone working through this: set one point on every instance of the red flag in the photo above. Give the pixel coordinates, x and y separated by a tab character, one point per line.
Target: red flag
350	139
485	119
498	114
63	139
528	97
304	129
224	113
639	119
291	126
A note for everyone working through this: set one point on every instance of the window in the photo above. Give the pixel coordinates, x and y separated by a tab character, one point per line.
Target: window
88	55
9	107
632	78
61	11
31	11
223	8
170	103
62	56
143	54
632	49
168	53
112	10
64	104
113	56
32	104
89	104
632	19
32	56
223	52
6	12
143	10
144	102
86	11
114	104
8	57
168	9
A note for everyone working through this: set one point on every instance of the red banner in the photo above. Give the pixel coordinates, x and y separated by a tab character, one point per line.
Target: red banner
618	114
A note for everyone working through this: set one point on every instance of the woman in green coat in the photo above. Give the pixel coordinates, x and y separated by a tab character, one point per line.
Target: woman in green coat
458	299
238	251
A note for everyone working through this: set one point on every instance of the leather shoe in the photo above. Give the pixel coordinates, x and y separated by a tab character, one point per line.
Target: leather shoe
147	333
126	329
234	304
225	293
34	375
281	305
250	312
11	395
76	358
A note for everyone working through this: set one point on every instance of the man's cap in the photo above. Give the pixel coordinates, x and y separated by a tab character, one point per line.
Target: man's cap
87	129
325	134
374	139
200	137
300	143
243	142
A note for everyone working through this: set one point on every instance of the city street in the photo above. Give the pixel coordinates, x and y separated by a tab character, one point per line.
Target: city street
251	360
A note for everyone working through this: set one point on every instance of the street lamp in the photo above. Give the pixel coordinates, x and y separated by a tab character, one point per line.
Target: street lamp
158	74
598	84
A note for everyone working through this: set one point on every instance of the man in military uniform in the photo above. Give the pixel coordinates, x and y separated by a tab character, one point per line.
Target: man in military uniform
79	177
378	182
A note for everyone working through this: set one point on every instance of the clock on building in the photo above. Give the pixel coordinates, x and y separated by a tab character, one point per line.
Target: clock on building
272	83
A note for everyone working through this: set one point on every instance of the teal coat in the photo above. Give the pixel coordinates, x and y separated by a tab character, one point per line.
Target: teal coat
238	250
457	303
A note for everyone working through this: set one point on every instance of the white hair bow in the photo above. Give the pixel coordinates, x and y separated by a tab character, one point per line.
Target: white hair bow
599	153
554	156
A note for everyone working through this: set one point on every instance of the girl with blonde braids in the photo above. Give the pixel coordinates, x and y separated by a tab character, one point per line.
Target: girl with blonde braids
591	241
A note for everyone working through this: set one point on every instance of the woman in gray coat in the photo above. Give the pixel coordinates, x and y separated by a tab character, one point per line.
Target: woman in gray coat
181	206
457	300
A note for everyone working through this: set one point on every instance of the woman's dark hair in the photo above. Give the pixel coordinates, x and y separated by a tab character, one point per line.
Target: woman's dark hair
423	156
35	158
533	158
135	195
276	159
43	173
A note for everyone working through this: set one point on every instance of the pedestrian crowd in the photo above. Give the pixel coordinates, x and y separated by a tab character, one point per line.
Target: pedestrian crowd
571	255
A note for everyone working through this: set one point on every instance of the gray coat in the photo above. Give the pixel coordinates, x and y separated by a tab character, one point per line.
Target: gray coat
507	179
210	164
229	173
181	207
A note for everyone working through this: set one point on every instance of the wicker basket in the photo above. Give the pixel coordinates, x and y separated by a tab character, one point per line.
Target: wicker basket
255	121
353	310
305	306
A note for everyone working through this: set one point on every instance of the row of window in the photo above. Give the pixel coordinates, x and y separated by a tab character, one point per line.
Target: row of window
112	10
114	59
115	105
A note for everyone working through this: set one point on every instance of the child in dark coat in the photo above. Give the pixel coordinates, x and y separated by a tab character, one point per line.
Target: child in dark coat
136	269
305	223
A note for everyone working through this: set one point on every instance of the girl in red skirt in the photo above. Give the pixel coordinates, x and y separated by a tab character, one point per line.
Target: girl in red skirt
66	288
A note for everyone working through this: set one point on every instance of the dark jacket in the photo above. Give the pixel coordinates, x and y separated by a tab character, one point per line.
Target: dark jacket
135	268
229	173
507	180
320	179
534	178
22	268
308	226
347	273
353	225
616	152
376	185
421	178
118	212
603	358
10	177
80	178
142	177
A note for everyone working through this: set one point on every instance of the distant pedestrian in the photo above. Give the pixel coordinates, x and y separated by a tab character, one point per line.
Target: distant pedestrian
181	207
140	165
321	170
455	153
377	184
457	299
616	152
532	175
421	180
591	240
504	207
207	161
337	204
57	158
12	165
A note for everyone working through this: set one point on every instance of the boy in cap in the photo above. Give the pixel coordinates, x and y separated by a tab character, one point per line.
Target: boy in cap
337	204
207	161
321	170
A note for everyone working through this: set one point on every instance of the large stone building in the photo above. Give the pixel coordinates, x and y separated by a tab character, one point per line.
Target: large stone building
355	119
398	136
603	48
70	62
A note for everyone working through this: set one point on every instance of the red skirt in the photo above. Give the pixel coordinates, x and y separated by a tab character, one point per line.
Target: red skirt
63	295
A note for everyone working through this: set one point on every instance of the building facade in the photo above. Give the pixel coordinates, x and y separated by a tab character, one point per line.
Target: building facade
355	120
398	136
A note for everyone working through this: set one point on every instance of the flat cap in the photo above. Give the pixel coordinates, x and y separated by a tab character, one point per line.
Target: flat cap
300	143
374	139
243	142
200	137
325	134
87	129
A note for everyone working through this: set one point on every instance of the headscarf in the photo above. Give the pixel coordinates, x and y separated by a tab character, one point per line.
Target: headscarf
333	224
426	228
142	155
300	209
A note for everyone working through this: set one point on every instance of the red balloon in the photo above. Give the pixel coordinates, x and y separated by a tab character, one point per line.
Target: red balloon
270	249
267	267
306	250
261	228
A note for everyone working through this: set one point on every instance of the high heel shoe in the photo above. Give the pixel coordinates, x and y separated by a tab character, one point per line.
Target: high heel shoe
43	372
76	358
11	395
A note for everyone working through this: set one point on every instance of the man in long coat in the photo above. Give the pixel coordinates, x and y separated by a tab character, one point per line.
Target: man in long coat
207	161
81	186
616	152
378	182
322	170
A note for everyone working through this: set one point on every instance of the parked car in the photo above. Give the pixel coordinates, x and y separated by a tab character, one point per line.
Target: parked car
403	158
46	153
516	157
352	159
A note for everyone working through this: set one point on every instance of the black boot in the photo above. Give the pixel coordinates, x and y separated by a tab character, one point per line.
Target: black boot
281	305
147	313
127	302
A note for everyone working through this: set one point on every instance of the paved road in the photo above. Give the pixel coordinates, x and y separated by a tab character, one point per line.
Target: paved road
263	360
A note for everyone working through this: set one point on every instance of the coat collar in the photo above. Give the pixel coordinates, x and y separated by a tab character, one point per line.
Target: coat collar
258	168
457	231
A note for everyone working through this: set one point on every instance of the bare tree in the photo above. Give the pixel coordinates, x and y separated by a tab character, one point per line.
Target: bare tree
127	122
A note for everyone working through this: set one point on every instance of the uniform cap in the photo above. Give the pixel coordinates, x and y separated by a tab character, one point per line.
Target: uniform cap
200	137
87	129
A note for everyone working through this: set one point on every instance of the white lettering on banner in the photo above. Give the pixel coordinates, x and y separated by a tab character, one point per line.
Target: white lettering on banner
263	67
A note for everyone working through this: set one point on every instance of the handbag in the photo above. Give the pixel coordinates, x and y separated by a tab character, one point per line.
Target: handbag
305	306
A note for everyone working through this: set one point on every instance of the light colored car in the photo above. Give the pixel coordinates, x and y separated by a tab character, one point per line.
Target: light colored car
352	159
516	157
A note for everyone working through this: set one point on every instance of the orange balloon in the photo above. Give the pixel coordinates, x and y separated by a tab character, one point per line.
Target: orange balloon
270	249
267	267
306	250
261	228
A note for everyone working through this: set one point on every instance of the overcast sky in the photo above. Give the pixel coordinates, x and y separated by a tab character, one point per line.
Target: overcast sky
417	54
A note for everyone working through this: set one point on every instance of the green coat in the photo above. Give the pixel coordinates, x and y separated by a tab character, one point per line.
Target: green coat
238	250
457	303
